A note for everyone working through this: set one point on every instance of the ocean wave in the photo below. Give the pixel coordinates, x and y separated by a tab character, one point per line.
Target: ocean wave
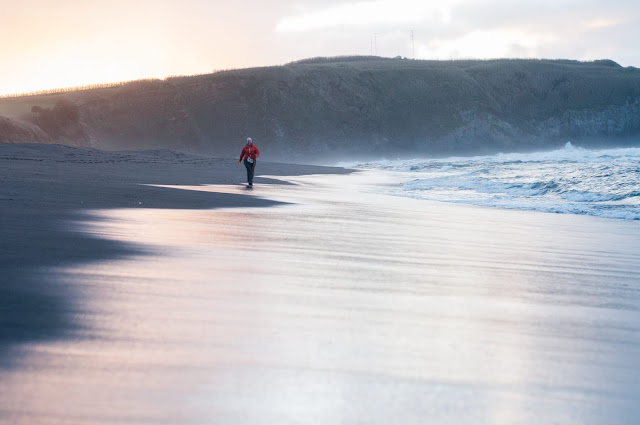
571	180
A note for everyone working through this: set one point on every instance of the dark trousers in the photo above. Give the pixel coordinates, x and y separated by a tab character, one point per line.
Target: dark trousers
250	167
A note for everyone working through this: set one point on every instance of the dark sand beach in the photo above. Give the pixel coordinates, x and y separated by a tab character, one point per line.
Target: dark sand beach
154	288
45	187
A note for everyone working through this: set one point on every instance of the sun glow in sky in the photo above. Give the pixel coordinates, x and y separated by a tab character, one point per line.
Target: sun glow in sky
47	44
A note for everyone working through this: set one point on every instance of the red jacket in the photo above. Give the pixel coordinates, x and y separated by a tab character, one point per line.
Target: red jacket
249	151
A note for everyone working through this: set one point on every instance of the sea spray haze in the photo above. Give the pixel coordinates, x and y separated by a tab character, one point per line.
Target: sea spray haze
357	108
604	183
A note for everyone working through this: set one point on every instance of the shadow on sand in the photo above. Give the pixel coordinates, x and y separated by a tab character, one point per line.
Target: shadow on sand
38	233
45	187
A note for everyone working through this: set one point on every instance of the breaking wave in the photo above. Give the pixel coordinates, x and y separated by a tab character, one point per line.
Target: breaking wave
603	183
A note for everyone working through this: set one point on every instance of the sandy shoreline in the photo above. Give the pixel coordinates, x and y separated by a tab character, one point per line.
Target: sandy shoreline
333	305
44	187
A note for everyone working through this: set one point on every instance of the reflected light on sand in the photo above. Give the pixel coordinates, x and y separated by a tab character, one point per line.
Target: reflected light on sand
340	306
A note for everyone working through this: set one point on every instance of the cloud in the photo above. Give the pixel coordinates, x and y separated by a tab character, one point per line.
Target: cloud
95	40
367	13
601	23
496	43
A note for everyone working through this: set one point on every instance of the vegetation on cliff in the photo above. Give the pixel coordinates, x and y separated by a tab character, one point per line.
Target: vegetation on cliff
349	107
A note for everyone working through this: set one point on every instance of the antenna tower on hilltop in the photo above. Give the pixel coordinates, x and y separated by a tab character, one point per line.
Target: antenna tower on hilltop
374	44
413	46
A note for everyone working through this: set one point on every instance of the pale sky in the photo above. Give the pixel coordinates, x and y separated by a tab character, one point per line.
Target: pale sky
62	43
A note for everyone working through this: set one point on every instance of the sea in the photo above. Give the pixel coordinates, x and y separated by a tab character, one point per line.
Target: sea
571	180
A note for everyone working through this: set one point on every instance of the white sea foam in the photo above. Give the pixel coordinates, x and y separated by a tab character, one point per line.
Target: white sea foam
604	183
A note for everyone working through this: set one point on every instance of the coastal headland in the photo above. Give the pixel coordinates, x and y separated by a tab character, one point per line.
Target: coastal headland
323	109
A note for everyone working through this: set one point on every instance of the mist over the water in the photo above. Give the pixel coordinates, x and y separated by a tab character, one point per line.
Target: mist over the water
574	180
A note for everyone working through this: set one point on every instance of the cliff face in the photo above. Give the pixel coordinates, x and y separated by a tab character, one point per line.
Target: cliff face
614	120
350	108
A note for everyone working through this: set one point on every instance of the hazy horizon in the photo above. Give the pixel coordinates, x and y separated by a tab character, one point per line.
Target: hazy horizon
69	44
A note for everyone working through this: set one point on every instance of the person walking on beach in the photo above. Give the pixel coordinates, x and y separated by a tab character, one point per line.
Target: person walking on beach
249	153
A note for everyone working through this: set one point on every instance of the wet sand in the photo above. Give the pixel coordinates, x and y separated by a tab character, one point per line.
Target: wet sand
322	302
45	188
